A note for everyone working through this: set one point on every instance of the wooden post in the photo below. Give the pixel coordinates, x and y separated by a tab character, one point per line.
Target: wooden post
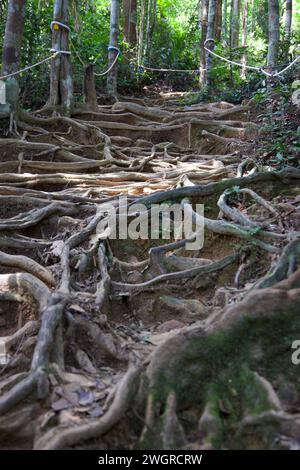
89	89
61	82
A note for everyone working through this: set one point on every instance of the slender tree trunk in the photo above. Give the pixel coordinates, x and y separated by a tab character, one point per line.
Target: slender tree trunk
129	12
253	13
245	37
204	18
288	19
61	81
112	53
235	24
148	27
13	36
210	38
224	21
273	35
152	25
141	32
218	25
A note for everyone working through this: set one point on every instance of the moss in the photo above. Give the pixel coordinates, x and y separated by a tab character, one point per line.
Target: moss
219	369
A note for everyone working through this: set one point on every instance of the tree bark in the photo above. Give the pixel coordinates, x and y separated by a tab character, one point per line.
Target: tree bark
61	81
13	36
129	12
218	25
235	24
151	19
210	38
288	19
273	35
89	89
245	37
224	22
253	13
204	19
141	32
112	53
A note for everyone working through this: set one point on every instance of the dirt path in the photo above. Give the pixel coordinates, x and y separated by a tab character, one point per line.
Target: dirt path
118	343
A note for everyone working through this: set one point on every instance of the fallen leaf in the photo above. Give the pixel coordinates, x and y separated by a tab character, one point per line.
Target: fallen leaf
61	404
86	397
96	411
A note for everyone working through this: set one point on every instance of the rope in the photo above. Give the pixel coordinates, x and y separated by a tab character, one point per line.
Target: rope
60	52
250	67
111	67
114	48
4	77
29	67
283	70
169	70
63	25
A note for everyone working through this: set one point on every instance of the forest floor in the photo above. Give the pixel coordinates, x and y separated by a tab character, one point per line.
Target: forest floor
141	343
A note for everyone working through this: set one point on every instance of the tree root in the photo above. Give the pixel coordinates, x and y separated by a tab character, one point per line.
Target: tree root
28	265
187	274
73	168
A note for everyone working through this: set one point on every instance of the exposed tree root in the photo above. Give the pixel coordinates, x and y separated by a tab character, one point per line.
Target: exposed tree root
75	316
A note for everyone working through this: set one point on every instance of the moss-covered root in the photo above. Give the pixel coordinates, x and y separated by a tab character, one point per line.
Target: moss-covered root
162	430
230	371
233	397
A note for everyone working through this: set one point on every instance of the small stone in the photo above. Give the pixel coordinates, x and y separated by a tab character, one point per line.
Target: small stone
170	325
102	319
179	306
84	362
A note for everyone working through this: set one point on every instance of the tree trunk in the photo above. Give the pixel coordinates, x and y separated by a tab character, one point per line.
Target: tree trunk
204	18
152	25
129	12
273	35
13	36
235	24
288	19
218	25
112	53
244	38
224	22
253	14
141	32
151	18
61	81
210	38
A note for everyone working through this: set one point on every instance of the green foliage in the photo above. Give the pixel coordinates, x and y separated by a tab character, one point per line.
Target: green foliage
175	43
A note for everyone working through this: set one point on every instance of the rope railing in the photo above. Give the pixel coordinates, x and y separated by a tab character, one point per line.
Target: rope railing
57	24
110	48
151	69
250	67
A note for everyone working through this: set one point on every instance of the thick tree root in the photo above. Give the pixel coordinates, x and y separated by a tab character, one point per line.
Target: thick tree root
84	306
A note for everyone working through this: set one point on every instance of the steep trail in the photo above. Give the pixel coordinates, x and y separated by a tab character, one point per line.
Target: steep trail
95	330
